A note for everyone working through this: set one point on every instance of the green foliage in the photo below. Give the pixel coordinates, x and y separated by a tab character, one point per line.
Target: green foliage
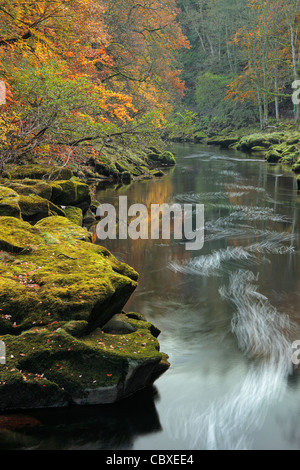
210	98
183	125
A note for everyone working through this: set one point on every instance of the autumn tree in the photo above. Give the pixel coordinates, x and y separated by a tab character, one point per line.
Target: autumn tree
271	47
68	82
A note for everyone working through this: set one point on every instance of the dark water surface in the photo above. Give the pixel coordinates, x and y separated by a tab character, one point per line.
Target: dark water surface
228	315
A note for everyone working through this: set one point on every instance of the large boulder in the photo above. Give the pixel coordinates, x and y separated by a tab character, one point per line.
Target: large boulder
71	193
157	158
223	141
39	172
260	140
35	208
31	188
34	200
74	214
67	338
273	156
30	208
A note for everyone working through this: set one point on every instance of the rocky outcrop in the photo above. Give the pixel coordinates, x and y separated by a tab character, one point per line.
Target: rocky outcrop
157	158
276	147
34	200
223	141
38	172
68	340
9	203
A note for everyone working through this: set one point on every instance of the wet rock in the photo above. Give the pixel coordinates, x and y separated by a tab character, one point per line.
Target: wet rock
223	141
261	140
89	218
126	177
272	156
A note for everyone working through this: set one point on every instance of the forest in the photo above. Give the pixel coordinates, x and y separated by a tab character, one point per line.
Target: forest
81	72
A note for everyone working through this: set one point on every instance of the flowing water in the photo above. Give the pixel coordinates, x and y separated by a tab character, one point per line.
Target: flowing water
228	315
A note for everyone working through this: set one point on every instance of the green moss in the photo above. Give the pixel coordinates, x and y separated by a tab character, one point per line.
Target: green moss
55	364
9	203
260	139
38	172
117	162
164	159
296	167
17	236
35	208
74	214
138	344
70	193
258	149
289	159
60	298
61	276
272	156
31	188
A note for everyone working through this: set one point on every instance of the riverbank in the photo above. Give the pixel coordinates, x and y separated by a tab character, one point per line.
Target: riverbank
278	145
66	337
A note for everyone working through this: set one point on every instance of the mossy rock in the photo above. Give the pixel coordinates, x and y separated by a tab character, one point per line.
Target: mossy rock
71	193
50	366
289	159
258	149
162	159
18	236
94	205
296	167
62	302
223	142
200	136
260	140
9	203
157	173
31	188
293	139
272	156
254	140
65	276
35	208
39	172
74	214
289	149
279	147
30	208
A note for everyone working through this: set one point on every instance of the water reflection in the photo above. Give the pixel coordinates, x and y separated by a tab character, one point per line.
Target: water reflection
228	315
82	428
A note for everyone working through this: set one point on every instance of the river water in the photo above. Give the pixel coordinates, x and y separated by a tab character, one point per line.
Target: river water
228	315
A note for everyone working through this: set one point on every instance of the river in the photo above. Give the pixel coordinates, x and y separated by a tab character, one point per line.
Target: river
228	315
